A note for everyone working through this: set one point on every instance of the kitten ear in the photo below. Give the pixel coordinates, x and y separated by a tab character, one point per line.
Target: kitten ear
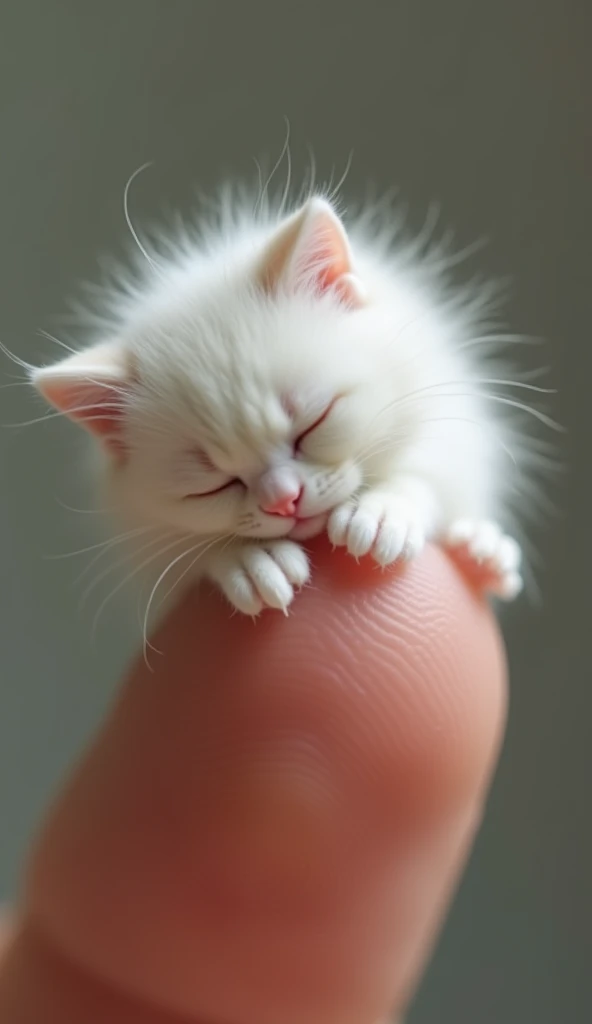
89	387
312	249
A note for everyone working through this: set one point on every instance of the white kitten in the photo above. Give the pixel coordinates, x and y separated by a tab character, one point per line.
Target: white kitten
286	375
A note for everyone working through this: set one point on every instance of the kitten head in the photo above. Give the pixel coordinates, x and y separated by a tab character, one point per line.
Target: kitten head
244	390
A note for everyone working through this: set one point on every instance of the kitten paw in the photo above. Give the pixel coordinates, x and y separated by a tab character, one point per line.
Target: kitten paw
258	576
482	546
382	525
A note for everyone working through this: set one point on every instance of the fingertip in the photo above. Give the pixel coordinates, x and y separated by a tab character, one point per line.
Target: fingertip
284	800
412	654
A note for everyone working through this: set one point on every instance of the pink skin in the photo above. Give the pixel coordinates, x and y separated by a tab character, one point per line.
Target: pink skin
272	833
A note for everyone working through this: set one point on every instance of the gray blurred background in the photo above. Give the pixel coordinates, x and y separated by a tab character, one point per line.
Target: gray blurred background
481	106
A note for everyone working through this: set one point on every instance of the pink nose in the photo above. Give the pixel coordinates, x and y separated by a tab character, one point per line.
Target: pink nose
279	492
285	506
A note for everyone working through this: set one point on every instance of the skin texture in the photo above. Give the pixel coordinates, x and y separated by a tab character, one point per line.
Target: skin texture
272	835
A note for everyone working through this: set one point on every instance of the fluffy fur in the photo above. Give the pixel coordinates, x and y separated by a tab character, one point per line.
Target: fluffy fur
283	373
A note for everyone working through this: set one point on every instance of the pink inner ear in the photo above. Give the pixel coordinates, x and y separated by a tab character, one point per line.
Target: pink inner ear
325	254
95	405
90	387
311	249
101	418
105	425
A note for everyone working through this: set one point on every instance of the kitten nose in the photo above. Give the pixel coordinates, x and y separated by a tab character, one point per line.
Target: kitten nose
282	507
279	491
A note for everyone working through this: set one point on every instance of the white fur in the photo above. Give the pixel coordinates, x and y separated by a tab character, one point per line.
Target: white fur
201	355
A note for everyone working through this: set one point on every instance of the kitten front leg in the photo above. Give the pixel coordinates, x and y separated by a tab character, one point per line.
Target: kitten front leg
488	555
256	575
390	521
395	520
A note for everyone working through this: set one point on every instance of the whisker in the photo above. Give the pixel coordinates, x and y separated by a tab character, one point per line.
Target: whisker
264	192
13	376
259	178
101	544
107	385
128	219
470	393
127	557
201	549
113	566
422	393
503	339
93	561
515	384
51	337
309	183
335	190
288	184
162	576
536	413
138	569
383	445
16	359
55	415
82	511
199	555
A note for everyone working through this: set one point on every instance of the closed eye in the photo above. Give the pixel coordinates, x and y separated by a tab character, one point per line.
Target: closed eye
313	426
204	462
215	490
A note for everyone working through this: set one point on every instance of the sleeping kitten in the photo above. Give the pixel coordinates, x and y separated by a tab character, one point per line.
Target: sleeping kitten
285	375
